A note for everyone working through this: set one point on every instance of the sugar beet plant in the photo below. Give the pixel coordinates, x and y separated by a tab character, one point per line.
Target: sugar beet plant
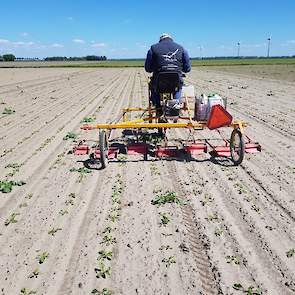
108	240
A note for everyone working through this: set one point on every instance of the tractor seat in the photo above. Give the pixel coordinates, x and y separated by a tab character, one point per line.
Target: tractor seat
168	82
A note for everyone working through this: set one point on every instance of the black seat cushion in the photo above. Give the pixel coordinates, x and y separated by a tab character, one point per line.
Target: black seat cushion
168	82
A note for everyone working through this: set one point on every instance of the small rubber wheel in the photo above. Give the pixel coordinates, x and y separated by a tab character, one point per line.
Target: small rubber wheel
103	148
237	147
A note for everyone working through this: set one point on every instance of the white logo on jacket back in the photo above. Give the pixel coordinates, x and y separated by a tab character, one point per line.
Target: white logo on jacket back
171	56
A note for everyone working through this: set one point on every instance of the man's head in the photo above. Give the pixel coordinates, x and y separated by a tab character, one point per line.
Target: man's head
165	36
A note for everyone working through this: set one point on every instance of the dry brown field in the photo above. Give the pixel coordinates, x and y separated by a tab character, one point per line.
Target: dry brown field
65	232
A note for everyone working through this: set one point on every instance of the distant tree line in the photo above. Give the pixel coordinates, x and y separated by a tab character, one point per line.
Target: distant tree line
64	58
7	57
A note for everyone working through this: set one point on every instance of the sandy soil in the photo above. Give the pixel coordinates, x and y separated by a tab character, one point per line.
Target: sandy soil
235	230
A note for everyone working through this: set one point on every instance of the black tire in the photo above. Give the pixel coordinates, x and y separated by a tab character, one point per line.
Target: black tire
103	148
237	147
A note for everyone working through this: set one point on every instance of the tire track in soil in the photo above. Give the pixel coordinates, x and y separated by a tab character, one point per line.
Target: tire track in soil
197	239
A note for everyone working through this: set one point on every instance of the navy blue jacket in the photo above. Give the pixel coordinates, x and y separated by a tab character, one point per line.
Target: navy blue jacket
167	56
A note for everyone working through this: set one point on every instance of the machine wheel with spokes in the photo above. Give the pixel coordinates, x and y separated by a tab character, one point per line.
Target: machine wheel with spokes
237	147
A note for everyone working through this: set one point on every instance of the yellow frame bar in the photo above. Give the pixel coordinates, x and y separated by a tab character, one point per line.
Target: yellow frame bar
140	124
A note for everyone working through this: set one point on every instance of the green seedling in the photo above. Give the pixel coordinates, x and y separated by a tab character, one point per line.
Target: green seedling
154	169
34	274
63	212
53	231
290	253
87	120
25	291
165	219
234	259
249	291
11	219
70	135
168	197
114	215
169	261
207	199
42	257
104	291
218	232
8	111
6	186
83	172
102	271
165	247
108	230
109	240
105	255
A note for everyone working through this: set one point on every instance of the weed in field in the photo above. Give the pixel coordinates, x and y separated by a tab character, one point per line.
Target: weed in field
34	274
63	212
207	199
218	232
6	186
165	247
53	231
15	168
88	120
82	171
8	111
25	291
154	169
69	202
104	291
22	205
168	197
249	291
212	217
234	259
122	158
42	257
169	261
29	196
165	219
11	219
109	240
105	255
255	208
102	271
290	253
70	135
241	189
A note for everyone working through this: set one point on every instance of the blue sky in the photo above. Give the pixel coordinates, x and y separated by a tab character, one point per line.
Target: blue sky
127	28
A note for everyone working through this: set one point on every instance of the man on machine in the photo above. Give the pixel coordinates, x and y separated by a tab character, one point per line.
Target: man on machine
166	56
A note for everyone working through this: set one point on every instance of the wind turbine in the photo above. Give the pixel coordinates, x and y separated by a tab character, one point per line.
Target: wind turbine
239	45
268	46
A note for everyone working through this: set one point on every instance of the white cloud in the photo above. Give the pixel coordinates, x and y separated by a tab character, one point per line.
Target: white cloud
141	45
70	18
24	34
4	41
57	45
98	45
79	41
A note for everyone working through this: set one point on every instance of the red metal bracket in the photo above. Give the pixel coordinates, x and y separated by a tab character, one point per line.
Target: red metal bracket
81	150
168	151
196	148
137	149
252	147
